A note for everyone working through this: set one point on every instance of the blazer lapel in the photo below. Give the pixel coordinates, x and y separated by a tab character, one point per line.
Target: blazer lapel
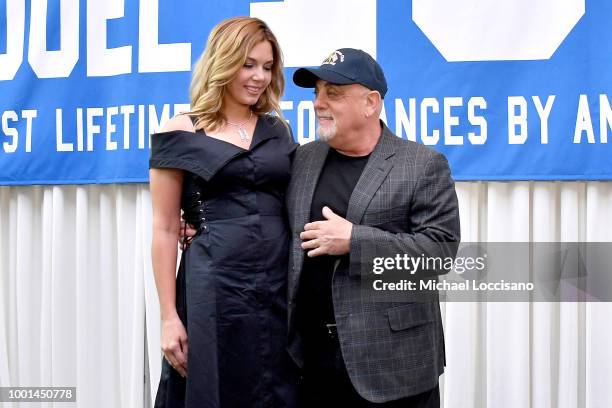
309	175
304	180
374	173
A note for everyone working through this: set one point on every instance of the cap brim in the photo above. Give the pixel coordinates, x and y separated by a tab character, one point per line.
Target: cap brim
307	77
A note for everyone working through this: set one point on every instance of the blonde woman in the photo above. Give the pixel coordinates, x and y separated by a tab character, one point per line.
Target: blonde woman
226	166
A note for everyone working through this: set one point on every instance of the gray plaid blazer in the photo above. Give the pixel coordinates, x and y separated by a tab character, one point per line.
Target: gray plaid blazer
404	202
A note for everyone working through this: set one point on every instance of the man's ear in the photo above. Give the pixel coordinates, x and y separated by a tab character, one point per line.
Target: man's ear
373	102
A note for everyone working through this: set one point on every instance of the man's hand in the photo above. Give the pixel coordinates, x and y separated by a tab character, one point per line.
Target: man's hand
329	237
186	235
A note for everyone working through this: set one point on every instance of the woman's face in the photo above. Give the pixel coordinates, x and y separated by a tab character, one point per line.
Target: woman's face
254	76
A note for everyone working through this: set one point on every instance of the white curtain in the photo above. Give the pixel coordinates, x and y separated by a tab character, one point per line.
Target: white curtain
73	264
78	305
540	355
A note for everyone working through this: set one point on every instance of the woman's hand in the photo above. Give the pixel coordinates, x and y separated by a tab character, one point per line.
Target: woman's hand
174	344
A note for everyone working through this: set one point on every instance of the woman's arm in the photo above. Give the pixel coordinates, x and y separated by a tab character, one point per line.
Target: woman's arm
166	188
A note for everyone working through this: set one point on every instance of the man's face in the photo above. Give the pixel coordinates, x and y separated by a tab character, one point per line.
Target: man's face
339	108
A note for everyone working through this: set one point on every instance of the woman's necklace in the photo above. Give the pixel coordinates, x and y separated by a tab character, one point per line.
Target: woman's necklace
244	136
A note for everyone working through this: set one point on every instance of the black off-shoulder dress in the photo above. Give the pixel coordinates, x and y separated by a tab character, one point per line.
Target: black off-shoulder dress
232	280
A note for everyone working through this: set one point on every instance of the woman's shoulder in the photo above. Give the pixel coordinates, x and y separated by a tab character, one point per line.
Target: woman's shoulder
180	122
174	138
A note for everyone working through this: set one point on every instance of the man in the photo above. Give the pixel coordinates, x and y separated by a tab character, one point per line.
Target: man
356	190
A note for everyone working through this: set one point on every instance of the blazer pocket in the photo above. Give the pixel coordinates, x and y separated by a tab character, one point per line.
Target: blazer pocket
410	315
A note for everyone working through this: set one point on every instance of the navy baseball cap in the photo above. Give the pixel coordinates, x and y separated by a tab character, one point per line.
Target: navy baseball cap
343	67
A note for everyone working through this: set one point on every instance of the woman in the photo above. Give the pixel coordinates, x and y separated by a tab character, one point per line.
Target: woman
226	165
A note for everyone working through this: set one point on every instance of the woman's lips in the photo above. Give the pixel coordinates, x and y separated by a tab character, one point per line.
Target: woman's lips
254	90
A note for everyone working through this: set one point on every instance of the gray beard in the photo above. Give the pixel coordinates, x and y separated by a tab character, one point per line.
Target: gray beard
326	134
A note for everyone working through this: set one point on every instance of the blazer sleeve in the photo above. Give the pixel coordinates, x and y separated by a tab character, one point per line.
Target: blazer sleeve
433	222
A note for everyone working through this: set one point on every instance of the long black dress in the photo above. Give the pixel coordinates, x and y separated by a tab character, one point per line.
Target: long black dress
231	283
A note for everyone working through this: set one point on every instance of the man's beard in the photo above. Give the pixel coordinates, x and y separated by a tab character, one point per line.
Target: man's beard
327	133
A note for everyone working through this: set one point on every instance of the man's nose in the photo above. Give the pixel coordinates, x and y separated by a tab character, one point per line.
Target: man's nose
319	102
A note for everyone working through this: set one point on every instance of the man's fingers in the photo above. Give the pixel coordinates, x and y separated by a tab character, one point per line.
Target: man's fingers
315	252
328	213
312	226
313	243
308	234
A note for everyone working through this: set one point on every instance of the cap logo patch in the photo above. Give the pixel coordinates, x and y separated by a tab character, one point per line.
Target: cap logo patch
333	58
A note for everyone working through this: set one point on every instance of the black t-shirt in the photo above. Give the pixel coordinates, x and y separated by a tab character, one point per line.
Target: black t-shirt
338	178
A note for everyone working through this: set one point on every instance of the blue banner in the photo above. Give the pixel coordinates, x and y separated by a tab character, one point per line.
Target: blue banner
508	90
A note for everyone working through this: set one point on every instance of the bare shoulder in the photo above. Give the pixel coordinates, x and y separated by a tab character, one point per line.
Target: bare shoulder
179	122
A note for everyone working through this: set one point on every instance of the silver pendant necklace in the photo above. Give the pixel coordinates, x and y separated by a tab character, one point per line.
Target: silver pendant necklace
244	136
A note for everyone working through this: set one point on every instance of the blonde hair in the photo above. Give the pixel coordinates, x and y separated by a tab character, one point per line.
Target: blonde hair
228	46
